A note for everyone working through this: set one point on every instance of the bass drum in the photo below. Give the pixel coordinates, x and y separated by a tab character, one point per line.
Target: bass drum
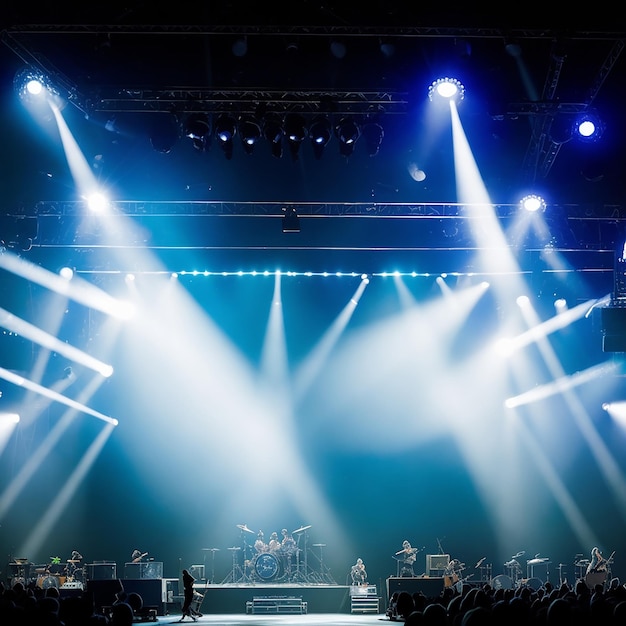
502	582
267	566
595	578
45	582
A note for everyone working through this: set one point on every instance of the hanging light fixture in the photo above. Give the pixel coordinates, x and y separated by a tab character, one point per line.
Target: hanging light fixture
347	132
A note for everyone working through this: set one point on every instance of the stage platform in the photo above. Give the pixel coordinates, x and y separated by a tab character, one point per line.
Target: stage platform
232	598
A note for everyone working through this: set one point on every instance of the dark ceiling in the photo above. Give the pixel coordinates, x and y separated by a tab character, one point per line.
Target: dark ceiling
127	69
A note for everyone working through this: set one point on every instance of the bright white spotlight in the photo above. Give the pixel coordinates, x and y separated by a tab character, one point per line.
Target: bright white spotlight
588	127
522	301
446	88
97	202
67	273
533	203
32	86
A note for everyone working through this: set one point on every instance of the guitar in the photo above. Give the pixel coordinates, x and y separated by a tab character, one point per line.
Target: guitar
138	558
602	564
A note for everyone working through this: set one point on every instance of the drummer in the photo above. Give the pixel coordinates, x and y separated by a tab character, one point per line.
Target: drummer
259	545
274	544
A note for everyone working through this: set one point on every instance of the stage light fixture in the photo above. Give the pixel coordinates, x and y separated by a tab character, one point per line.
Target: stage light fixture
164	131
447	89
240	47
249	131
225	130
347	132
295	131
338	49
588	127
273	133
35	89
197	128
533	203
373	135
291	221
319	134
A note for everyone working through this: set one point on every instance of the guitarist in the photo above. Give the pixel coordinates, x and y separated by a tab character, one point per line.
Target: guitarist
597	563
137	556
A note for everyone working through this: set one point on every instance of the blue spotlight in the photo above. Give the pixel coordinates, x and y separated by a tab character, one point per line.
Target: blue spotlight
447	89
32	87
588	127
533	203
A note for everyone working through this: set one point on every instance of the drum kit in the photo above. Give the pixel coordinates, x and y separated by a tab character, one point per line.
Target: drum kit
52	574
275	561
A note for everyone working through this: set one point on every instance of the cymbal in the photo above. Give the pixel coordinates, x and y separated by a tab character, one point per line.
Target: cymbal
73	560
234	548
301	529
536	561
244	528
319	545
211	549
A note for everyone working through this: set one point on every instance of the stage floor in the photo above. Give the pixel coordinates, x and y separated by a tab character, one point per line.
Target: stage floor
310	619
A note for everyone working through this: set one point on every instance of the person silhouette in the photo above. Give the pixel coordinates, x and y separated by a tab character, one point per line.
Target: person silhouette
188	595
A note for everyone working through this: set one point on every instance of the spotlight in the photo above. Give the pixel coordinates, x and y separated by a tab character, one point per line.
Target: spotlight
35	89
588	127
373	134
295	131
291	221
533	203
197	128
273	132
319	134
240	47
338	49
348	132
225	130
249	131
164	132
447	89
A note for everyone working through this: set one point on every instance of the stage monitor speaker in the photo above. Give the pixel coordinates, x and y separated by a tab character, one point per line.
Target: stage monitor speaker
430	587
437	562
